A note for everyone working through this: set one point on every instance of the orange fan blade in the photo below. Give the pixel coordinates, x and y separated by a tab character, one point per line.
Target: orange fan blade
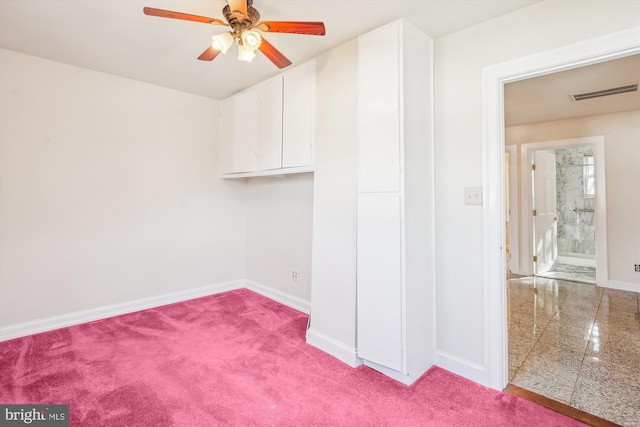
311	28
273	54
238	8
179	15
209	54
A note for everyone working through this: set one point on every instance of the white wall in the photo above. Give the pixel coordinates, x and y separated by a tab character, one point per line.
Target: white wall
333	290
279	221
459	60
109	192
621	133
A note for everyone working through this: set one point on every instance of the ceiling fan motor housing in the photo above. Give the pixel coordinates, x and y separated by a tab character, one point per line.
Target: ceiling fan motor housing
246	23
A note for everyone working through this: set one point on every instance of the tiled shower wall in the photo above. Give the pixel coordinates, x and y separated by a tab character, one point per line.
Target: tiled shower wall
576	228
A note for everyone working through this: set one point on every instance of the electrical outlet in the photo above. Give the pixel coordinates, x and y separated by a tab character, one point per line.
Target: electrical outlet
294	275
638	268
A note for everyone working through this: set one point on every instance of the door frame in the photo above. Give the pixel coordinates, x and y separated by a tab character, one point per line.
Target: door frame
597	144
600	49
515	262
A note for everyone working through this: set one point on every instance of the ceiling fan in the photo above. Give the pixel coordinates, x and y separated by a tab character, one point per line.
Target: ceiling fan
244	20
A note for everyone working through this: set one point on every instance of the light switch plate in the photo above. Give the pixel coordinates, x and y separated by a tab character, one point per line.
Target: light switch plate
473	196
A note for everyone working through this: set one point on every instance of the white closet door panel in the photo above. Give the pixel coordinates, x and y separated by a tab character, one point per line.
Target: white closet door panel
379	110
379	276
227	114
270	124
297	132
245	131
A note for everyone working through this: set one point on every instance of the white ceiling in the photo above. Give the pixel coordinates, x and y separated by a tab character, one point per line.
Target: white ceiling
548	97
115	37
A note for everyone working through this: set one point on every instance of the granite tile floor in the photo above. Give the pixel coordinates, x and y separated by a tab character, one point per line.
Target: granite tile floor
578	344
574	273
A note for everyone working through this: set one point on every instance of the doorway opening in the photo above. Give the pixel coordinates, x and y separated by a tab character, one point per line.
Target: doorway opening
618	45
564	195
571	251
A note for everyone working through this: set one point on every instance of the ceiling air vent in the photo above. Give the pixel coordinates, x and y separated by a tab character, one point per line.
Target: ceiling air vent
606	92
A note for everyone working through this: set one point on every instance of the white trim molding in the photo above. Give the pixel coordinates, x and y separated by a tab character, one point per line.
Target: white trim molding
600	49
463	367
70	319
281	297
406	379
622	286
515	261
340	351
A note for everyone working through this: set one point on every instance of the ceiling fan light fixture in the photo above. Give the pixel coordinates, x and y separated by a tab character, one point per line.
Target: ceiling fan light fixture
250	39
248	43
222	42
245	54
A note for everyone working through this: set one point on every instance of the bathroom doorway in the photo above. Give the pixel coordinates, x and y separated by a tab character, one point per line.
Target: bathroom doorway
564	201
564	186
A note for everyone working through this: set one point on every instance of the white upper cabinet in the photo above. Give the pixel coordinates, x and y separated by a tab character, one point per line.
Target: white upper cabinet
298	116
269	129
270	124
239	133
227	116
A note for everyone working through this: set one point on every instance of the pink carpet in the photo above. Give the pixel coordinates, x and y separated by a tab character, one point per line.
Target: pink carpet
235	359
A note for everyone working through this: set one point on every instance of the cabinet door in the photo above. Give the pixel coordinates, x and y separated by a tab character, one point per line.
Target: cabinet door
245	131
227	125
379	110
379	272
270	124
298	120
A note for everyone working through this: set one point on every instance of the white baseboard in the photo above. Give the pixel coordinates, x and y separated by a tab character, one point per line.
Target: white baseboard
406	379
577	260
463	367
283	298
335	348
70	319
622	286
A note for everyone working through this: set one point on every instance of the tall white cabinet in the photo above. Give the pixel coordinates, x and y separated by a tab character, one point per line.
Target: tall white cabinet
395	219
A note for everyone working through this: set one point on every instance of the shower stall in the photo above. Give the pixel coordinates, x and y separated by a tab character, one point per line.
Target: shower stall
576	190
